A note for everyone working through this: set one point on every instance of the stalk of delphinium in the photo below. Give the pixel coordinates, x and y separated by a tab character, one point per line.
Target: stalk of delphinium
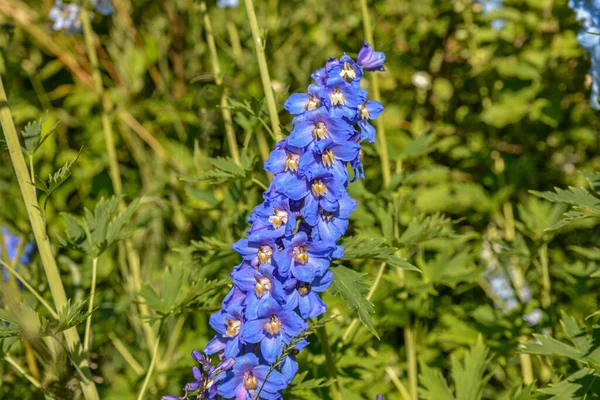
588	13
294	232
43	243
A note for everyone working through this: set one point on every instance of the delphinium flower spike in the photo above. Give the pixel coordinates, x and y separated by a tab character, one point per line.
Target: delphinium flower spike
588	13
294	232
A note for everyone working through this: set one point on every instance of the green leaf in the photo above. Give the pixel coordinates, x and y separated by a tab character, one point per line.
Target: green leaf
468	375
32	136
8	332
583	384
55	180
573	196
98	230
70	316
350	286
226	169
594	180
434	384
373	249
417	147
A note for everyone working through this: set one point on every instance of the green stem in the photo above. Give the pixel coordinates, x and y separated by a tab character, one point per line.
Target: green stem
216	66
126	354
236	46
22	371
381	137
43	243
330	359
411	355
546	286
264	70
30	288
87	345
152	365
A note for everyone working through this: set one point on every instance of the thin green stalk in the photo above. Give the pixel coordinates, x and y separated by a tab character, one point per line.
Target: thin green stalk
347	334
87	345
216	66
264	70
43	243
381	137
398	383
114	170
126	354
30	288
234	39
411	355
22	371
152	365
546	286
330	359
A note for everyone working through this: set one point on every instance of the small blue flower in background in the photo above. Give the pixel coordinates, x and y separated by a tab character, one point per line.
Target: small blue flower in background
588	13
66	17
12	243
104	7
294	233
227	3
493	5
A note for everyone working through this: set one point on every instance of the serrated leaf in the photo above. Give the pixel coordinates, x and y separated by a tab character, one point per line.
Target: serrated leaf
425	227
350	286
70	316
97	230
434	385
55	180
8	332
594	180
417	147
583	384
468	375
226	169
374	249
32	135
575	196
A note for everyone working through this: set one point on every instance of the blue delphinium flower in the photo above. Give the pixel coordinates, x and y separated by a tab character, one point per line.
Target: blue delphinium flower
493	5
588	13
206	380
66	16
12	243
294	232
104	7
227	3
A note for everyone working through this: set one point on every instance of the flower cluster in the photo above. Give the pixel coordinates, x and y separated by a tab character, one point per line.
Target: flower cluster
588	12
68	16
14	249
294	232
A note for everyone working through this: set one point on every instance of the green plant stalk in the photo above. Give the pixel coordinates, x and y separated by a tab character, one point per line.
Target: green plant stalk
87	345
264	70
43	243
411	357
22	371
398	383
152	365
546	286
126	354
114	169
381	137
28	286
216	66
234	39
330	360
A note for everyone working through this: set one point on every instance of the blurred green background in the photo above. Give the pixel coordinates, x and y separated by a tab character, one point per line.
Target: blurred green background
475	118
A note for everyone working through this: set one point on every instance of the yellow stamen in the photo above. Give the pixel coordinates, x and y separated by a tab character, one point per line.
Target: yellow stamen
273	326
364	113
348	73
320	131
327	158
280	218
303	288
313	103
291	164
262	285
337	98
264	254
233	327
250	382
318	188
300	254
